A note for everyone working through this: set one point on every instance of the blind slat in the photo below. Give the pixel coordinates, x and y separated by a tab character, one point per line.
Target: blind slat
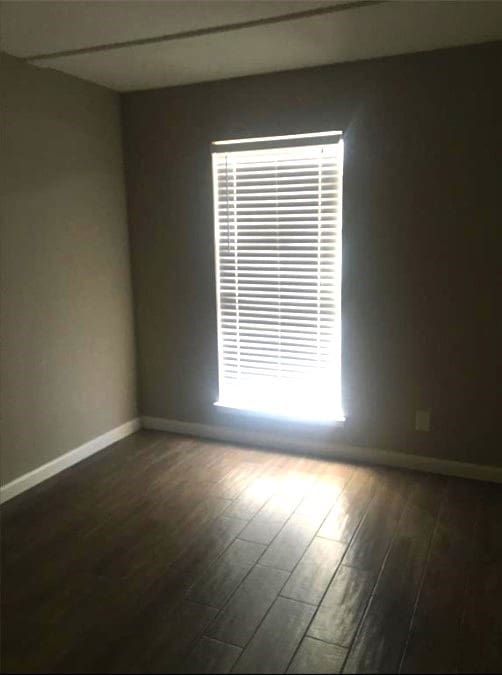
278	254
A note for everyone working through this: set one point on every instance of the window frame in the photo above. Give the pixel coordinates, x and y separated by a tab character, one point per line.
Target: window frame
273	143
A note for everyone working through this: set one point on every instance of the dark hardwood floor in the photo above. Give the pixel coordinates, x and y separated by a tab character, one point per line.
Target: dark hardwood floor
171	554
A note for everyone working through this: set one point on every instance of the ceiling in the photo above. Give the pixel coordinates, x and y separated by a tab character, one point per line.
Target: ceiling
200	40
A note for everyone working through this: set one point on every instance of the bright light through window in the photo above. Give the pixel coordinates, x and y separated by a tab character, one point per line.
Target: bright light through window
278	226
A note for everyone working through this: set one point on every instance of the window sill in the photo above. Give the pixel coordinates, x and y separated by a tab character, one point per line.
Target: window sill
316	417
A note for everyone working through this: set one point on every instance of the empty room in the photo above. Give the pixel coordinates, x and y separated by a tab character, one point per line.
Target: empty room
250	336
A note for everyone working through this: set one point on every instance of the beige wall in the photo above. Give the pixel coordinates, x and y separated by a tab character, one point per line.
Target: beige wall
67	360
422	241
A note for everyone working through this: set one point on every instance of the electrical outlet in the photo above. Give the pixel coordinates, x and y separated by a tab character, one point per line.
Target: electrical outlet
422	420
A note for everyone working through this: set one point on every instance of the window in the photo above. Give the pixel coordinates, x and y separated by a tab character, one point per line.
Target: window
278	226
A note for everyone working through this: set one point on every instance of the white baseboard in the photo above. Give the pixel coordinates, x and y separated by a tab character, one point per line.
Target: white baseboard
332	450
41	473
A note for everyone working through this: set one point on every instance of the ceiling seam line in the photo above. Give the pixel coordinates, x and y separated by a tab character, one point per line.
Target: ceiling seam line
210	30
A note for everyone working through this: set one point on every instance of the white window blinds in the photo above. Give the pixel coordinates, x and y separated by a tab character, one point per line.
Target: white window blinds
278	265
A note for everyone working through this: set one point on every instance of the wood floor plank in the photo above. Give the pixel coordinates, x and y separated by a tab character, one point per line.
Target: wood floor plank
434	635
211	656
369	546
186	520
291	542
140	557
381	637
313	573
268	522
32	647
110	620
480	642
160	643
315	656
350	507
252	498
218	583
208	545
238	478
277	638
292	482
489	528
320	499
342	607
244	612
